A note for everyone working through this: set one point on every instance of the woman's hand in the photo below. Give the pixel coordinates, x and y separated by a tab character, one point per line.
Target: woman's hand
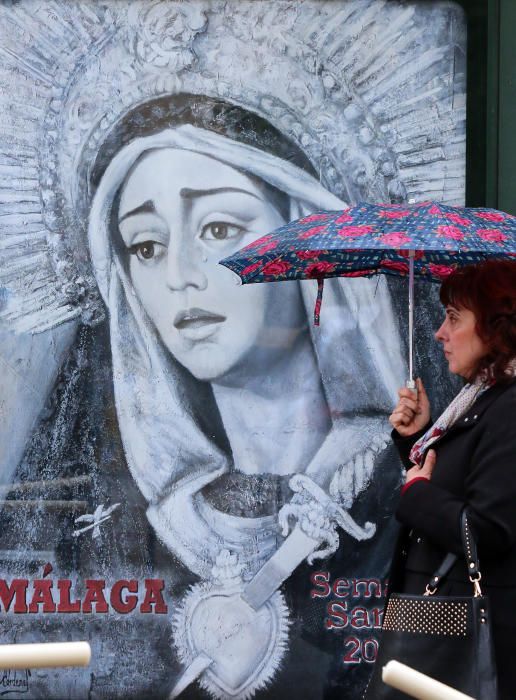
412	412
424	472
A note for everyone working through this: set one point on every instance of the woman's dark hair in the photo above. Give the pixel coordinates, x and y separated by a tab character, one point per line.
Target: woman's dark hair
488	289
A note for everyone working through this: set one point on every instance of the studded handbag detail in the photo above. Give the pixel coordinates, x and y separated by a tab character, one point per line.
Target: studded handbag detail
445	637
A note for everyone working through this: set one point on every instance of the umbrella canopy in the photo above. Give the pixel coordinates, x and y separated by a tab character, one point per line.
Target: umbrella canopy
428	239
376	238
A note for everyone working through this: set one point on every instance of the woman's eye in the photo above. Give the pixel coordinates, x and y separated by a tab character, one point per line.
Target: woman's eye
147	250
220	231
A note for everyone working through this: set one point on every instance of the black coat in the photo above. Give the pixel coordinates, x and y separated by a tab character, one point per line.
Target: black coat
475	467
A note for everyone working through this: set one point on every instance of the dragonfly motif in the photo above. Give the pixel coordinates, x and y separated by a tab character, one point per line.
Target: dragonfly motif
95	519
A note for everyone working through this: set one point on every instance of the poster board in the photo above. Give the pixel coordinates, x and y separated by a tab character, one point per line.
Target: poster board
160	423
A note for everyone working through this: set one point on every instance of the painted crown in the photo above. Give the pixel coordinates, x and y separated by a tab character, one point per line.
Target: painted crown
373	93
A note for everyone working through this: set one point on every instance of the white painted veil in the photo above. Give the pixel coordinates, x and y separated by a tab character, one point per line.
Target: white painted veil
169	451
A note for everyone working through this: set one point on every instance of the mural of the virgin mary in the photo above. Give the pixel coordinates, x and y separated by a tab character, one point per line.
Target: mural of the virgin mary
169	205
209	419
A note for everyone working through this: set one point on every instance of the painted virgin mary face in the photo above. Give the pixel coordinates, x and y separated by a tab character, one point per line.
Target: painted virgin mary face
180	212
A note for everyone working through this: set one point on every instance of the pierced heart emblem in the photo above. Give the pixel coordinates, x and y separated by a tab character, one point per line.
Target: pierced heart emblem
245	645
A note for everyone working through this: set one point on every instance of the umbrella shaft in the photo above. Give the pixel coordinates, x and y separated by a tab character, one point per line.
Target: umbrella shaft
411	316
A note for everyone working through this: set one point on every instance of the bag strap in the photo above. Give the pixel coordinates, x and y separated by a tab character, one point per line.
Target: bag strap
446	564
470	554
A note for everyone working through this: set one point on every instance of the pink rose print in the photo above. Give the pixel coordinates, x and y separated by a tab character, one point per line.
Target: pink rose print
258	242
493	216
319	269
307	254
395	238
354	231
493	235
268	246
395	214
312	232
275	268
395	265
450	232
314	217
435	211
343	218
354	273
440	270
457	219
418	254
251	268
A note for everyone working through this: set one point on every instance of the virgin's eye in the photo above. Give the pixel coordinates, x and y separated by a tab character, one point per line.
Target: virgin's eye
220	231
147	250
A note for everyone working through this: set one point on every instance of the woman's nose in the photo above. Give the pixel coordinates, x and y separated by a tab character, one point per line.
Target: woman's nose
184	269
440	333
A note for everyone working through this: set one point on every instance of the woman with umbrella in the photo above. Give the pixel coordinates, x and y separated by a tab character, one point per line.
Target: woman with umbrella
467	457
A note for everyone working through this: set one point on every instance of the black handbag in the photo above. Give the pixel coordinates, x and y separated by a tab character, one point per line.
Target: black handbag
445	637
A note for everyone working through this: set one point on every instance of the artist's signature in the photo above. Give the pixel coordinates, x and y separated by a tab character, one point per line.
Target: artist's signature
14	682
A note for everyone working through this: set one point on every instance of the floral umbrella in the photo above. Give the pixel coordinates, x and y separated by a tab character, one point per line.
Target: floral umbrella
428	239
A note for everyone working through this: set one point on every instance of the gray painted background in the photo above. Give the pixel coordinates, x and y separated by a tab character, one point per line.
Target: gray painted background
160	422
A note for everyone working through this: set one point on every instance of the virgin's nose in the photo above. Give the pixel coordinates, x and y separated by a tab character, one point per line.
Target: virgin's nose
184	269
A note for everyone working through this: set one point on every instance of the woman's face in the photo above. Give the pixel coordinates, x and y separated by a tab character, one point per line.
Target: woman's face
181	212
463	347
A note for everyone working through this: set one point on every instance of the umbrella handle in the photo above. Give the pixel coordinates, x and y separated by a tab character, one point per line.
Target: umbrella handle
411	384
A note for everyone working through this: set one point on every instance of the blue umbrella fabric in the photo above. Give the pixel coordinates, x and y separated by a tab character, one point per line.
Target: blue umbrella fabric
368	239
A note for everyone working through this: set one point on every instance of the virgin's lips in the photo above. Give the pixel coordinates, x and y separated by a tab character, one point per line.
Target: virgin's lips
196	318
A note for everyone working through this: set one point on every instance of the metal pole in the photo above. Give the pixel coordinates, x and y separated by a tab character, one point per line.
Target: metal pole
411	384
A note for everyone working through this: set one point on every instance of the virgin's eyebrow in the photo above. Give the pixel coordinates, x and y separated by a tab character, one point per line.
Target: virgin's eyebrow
145	208
187	193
